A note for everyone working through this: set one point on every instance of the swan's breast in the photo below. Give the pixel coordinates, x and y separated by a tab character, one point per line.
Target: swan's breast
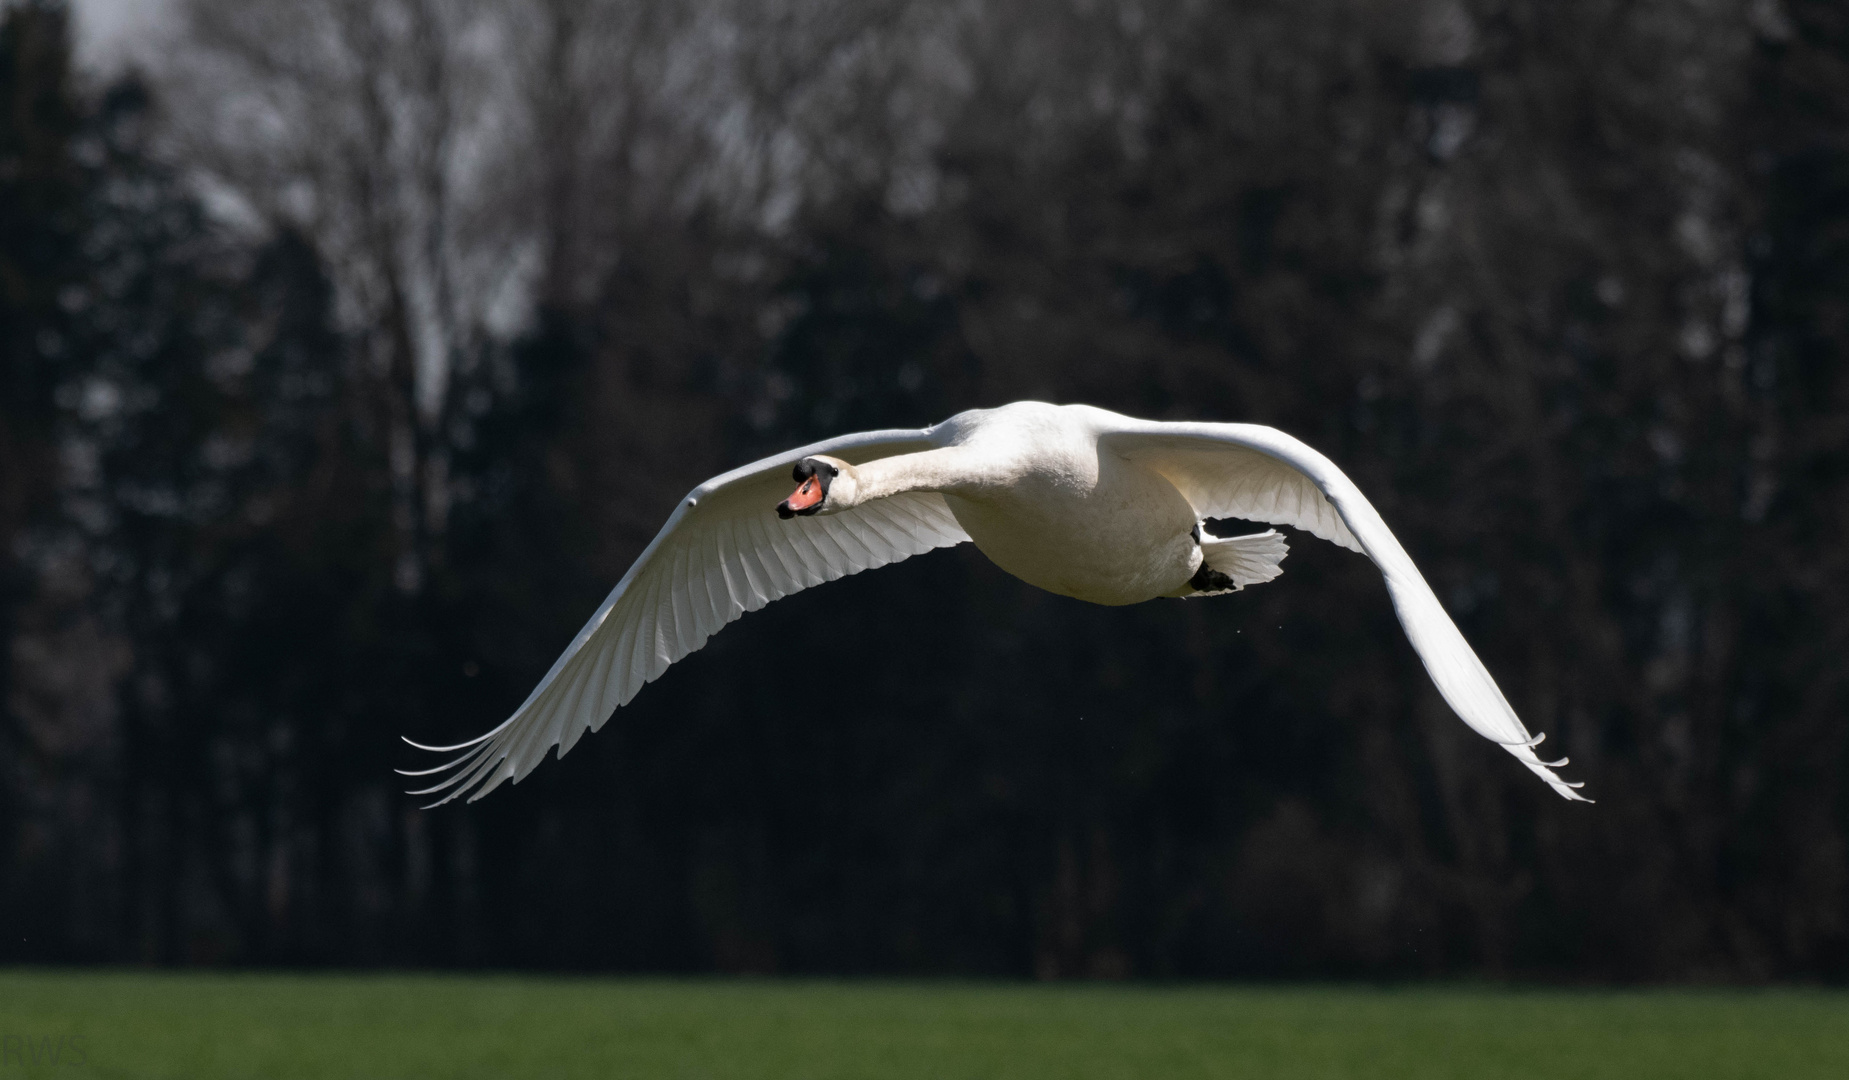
1074	522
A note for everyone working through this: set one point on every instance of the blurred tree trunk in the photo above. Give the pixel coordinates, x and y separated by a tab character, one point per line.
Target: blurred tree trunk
41	219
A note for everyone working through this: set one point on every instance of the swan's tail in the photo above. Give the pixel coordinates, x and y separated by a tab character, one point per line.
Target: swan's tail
1230	563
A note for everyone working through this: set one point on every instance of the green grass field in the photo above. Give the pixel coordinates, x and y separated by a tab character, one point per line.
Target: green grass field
201	1026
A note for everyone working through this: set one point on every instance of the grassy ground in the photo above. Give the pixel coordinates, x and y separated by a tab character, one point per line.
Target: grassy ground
283	1026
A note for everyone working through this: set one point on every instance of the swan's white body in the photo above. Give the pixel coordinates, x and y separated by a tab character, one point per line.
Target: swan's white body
1075	500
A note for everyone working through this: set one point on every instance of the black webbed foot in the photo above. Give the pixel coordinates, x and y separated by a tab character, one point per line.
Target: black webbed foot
1207	579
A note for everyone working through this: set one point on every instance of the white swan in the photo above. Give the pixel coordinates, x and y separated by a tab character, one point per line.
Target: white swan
1076	500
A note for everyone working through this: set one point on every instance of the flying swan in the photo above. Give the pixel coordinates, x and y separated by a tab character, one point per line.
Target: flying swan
1073	499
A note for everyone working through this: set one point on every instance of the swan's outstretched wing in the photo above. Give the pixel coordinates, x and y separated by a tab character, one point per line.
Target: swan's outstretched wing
1261	474
722	553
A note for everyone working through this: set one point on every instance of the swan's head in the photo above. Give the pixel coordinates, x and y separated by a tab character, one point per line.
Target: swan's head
824	485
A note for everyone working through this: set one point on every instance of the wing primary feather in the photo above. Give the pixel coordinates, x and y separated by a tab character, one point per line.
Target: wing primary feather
447	782
434	769
605	683
680	611
708	610
501	774
561	707
476	741
658	616
459	780
699	601
623	652
732	569
725	597
655	625
526	742
699	605
677	616
760	565
562	711
481	771
648	635
760	561
602	691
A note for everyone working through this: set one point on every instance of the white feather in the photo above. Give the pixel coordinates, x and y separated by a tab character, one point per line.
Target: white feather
722	553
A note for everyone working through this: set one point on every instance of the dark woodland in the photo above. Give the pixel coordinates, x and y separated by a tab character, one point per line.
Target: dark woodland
1562	284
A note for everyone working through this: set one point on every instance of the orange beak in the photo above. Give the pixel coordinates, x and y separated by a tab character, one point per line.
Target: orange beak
806	497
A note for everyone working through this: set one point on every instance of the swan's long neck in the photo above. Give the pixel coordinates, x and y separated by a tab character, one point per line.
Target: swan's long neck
950	469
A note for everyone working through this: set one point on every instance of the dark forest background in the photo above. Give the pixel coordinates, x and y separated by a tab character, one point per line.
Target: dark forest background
349	356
